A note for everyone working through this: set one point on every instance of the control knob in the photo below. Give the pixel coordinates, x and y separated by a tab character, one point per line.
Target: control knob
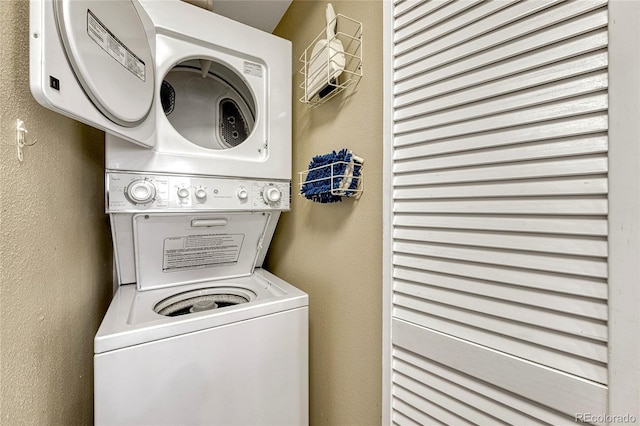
271	194
201	194
243	194
183	192
141	191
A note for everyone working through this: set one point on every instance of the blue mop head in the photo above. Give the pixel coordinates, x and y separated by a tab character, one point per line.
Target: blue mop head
319	186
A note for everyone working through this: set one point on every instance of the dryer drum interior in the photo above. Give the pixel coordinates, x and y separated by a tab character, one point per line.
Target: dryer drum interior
203	299
208	104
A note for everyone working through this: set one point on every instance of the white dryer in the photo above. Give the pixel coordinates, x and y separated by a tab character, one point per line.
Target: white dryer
196	92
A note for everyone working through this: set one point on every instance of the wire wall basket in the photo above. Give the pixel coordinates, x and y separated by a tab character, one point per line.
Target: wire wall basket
332	182
333	61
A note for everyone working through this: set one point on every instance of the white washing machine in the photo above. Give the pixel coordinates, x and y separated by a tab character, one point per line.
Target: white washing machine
197	332
202	335
198	93
235	365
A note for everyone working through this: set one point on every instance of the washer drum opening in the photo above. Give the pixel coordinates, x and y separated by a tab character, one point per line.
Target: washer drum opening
203	299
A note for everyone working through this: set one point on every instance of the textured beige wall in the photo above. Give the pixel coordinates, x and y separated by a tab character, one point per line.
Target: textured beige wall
55	251
334	251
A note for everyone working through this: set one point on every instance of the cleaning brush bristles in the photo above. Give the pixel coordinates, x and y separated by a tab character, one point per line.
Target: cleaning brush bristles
332	176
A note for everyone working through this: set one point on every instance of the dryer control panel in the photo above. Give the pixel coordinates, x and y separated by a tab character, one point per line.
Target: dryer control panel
135	192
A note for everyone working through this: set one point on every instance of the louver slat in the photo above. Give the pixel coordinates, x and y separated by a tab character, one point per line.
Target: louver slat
568	394
449	48
449	387
435	411
526	188
584	165
510	408
407	6
448	66
484	73
464	414
530	224
414	415
537	132
418	101
489	333
399	419
575	265
516	206
538	95
557	110
410	279
549	281
437	11
566	147
537	243
499	200
454	23
423	296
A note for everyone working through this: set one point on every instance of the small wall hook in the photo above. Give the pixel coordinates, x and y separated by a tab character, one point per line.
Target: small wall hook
21	137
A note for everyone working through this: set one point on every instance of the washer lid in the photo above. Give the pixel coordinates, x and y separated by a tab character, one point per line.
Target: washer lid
107	46
176	249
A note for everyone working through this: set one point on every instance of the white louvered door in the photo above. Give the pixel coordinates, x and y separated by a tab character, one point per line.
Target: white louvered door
498	301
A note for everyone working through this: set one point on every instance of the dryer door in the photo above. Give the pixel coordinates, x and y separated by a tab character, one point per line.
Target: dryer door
92	60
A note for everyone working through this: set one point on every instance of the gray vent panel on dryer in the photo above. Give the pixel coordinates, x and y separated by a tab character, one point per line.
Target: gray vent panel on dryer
233	126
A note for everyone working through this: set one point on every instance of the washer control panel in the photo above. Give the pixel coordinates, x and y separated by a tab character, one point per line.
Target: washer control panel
128	192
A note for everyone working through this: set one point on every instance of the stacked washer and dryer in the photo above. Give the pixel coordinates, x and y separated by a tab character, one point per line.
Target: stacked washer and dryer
197	113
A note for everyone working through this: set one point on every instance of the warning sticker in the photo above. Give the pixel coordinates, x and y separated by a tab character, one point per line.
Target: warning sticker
252	68
114	47
201	251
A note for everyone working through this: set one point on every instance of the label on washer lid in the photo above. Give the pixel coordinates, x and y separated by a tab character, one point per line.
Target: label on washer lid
253	69
113	46
201	251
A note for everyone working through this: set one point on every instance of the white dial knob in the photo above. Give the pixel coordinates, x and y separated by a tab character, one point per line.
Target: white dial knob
243	194
141	191
271	195
183	192
201	194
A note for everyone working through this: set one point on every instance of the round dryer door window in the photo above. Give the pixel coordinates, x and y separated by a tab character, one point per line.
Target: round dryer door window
107	47
208	104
